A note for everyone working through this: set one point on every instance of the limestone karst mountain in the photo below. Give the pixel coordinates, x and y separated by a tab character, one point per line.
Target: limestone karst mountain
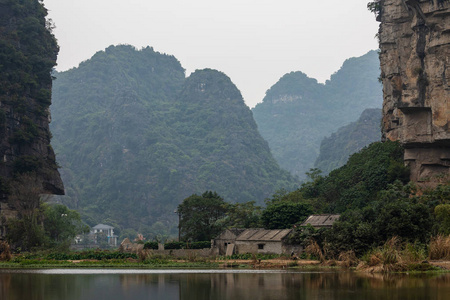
298	112
135	137
337	148
27	55
415	52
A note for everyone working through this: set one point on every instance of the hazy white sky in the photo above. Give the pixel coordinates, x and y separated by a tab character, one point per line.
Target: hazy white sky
254	42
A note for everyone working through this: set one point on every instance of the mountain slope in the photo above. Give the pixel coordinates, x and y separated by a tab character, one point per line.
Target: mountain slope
297	112
337	148
135	137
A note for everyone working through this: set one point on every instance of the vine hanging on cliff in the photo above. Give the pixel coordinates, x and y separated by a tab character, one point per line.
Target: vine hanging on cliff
375	7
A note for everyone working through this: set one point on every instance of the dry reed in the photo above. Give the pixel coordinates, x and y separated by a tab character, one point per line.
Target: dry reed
439	247
5	251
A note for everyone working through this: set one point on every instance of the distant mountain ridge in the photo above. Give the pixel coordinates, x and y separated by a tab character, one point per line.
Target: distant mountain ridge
135	137
298	112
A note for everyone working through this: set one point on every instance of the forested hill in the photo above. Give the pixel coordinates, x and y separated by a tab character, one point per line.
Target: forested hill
134	138
337	148
298	112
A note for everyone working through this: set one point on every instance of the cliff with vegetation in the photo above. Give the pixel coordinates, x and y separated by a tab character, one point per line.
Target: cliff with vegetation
135	137
27	55
298	112
415	51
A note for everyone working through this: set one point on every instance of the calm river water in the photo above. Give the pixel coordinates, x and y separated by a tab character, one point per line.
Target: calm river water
110	284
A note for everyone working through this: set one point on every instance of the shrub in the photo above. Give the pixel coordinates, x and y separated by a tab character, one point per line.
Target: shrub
174	245
151	245
200	245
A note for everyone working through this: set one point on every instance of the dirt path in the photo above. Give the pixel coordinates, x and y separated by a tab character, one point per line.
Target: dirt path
444	264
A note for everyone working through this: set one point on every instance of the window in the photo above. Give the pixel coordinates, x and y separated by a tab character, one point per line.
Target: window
260	246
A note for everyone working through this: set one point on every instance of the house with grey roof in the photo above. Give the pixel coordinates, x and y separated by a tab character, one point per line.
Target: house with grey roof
321	221
254	241
227	237
106	230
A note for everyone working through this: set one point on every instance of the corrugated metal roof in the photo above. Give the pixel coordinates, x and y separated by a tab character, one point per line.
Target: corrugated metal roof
263	235
325	220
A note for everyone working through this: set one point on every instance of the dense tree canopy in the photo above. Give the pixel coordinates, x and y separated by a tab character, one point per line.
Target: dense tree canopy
135	137
201	217
285	214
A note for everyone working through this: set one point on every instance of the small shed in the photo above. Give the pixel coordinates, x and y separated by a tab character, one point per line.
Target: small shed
321	221
263	241
227	237
255	241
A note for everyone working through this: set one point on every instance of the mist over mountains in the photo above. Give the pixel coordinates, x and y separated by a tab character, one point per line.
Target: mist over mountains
298	112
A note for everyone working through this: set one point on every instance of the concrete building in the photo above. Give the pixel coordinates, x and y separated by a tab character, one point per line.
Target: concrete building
107	230
240	241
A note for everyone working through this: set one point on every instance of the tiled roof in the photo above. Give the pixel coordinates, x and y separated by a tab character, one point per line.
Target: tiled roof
263	235
325	220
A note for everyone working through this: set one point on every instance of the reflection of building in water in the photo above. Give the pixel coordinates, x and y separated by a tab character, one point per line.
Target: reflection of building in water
237	286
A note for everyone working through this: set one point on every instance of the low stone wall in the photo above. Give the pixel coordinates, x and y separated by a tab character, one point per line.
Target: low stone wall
183	253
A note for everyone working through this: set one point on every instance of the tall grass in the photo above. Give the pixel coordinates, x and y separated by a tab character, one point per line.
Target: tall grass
5	251
439	247
313	249
395	256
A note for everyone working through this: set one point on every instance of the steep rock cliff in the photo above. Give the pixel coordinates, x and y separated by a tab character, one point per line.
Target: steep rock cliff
415	64
27	55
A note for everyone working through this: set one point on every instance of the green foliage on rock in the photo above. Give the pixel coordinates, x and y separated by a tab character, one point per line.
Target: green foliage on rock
135	137
375	200
28	52
357	183
298	112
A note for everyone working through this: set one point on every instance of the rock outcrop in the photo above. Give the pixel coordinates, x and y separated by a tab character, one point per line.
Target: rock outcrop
415	69
27	55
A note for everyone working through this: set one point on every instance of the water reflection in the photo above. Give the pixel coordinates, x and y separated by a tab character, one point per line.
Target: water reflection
197	285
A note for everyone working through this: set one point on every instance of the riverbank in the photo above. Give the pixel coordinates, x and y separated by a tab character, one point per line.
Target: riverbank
211	263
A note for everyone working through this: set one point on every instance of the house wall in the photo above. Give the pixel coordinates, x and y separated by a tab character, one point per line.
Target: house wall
220	243
252	247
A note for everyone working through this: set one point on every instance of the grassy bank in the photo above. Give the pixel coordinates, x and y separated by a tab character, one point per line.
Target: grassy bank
393	256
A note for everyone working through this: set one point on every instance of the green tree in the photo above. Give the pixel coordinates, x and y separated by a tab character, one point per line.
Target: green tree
442	213
201	217
61	224
25	231
285	214
243	215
